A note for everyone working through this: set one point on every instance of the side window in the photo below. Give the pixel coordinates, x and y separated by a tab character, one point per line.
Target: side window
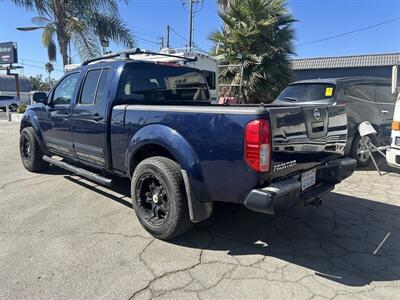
210	78
65	90
90	86
361	91
101	89
383	94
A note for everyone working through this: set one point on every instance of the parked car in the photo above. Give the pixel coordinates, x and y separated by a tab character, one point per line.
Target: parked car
393	153
365	98
8	87
10	101
154	124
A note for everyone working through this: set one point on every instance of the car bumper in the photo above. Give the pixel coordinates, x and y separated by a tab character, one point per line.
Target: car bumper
287	193
393	157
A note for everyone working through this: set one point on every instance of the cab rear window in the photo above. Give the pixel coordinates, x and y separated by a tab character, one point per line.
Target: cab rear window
308	92
152	82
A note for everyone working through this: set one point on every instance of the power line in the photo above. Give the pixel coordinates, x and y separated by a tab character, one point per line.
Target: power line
38	61
146	40
145	33
349	32
39	67
178	35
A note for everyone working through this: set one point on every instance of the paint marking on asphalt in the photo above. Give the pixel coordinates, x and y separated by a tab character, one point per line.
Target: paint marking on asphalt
380	245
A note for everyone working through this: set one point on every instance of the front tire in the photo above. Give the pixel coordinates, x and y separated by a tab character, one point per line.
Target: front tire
31	154
159	197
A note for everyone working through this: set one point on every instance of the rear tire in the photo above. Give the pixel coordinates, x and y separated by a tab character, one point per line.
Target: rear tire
31	154
364	159
159	197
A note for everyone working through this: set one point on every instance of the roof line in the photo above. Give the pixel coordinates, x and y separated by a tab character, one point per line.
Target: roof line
354	55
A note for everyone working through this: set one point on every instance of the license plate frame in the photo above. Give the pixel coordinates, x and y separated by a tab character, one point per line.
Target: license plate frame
308	179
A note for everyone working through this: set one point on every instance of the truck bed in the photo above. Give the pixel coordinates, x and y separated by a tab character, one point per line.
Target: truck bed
215	133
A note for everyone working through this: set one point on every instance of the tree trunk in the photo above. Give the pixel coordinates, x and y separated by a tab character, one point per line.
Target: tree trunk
63	39
63	43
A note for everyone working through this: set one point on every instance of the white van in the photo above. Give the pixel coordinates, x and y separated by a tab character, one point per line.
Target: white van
393	153
207	64
8	88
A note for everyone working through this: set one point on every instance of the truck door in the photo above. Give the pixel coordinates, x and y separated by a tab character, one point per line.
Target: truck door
88	119
55	120
386	104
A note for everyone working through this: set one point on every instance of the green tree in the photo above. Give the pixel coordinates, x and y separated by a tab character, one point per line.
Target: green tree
40	84
84	23
258	35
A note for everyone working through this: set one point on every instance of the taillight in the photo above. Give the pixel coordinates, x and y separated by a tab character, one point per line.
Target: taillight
257	148
396	125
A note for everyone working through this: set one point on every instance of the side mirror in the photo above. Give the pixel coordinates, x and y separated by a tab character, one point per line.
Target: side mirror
40	97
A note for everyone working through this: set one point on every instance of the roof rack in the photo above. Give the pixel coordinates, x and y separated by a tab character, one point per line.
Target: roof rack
125	55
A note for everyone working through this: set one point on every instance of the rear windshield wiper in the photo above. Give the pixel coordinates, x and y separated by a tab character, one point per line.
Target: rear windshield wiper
290	99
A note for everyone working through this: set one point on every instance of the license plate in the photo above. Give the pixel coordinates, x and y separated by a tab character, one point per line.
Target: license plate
307	179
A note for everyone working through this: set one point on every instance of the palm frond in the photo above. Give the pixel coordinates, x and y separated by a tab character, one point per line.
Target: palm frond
111	27
48	41
41	21
257	34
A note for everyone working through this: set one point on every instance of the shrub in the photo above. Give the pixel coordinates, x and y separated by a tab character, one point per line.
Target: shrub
21	109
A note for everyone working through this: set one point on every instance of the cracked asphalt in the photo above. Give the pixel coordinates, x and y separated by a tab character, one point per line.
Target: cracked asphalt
64	237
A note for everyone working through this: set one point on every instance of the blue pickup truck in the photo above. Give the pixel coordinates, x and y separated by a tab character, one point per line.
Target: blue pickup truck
154	124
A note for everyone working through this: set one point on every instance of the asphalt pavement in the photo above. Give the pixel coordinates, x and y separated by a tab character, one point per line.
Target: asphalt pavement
63	237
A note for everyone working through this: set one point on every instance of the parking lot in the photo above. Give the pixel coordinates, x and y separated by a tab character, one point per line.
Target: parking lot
64	237
3	115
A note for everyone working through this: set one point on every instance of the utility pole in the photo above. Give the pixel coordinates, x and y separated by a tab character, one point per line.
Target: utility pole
161	42
194	7
190	23
168	29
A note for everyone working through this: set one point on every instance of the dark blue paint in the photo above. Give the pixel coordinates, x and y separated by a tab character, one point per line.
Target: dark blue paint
208	144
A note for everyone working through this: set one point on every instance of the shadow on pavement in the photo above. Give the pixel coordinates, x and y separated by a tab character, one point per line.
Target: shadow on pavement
336	240
343	240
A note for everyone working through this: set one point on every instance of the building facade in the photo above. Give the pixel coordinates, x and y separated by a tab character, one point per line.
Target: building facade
379	65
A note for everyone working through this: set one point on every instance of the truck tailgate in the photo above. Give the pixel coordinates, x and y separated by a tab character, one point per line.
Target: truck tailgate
305	136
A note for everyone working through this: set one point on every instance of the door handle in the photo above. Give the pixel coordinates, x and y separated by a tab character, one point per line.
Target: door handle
384	111
97	117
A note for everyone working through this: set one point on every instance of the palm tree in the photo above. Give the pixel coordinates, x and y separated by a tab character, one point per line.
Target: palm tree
84	23
257	34
222	4
49	68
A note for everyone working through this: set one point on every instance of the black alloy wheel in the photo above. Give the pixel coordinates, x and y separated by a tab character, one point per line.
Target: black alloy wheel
152	200
25	148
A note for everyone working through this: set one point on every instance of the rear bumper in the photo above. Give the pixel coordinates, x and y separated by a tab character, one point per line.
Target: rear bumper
287	193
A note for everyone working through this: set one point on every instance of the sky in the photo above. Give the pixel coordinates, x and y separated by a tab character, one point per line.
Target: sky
316	19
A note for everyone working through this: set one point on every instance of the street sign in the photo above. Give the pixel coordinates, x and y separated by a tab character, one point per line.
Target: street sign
8	53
